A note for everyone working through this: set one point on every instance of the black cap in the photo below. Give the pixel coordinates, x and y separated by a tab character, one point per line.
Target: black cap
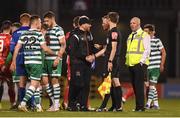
84	20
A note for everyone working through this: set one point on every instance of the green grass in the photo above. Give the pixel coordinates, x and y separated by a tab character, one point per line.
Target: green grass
169	108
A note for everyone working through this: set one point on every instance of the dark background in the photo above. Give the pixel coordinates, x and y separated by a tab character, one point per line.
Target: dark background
162	13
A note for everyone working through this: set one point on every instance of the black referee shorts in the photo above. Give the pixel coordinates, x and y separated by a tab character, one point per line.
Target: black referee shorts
116	67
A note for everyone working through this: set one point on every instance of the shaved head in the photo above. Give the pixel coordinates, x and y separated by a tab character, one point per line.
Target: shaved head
135	23
136	19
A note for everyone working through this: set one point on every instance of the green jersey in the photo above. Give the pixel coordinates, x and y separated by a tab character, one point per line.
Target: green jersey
53	37
32	41
155	55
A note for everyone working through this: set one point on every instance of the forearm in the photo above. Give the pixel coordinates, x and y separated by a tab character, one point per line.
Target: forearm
145	56
62	42
113	52
100	53
163	56
49	51
147	49
16	50
62	50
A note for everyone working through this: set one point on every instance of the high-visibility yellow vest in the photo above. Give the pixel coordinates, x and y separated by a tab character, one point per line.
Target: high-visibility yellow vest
135	48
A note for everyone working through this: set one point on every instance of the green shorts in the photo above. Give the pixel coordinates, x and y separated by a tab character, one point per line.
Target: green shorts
49	70
15	78
34	71
153	74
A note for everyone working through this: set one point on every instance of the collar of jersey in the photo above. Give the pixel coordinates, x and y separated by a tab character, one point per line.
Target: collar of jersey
33	29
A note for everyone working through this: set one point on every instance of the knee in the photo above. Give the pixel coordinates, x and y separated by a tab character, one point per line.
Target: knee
22	82
116	82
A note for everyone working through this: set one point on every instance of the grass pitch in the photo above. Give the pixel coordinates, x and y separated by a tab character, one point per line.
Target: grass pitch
169	108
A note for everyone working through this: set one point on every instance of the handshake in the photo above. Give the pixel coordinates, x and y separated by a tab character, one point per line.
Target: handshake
90	58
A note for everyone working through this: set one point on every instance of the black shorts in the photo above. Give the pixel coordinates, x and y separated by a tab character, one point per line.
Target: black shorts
116	67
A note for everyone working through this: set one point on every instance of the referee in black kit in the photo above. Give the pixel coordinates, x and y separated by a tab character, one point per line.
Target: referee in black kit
112	55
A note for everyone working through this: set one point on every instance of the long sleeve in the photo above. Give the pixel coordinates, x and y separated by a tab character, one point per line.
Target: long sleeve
13	42
147	47
75	51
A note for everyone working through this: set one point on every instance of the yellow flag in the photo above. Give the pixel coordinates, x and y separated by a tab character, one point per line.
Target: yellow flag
104	88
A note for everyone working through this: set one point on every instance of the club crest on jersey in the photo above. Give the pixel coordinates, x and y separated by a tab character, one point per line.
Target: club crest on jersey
114	35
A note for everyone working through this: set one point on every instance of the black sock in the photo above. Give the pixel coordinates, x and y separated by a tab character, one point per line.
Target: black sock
113	97
105	101
147	91
1	91
118	96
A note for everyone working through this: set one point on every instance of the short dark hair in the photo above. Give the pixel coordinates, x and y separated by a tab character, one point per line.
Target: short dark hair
49	14
34	18
44	26
105	17
16	24
113	16
6	25
84	20
76	20
151	27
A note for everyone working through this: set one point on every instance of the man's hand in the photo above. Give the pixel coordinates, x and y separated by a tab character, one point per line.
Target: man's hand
3	68
90	58
110	66
56	62
13	66
161	68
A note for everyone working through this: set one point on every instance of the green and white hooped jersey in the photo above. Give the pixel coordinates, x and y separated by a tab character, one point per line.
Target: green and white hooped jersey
155	55
52	38
32	41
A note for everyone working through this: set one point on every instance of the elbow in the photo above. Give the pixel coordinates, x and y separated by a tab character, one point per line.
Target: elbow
163	52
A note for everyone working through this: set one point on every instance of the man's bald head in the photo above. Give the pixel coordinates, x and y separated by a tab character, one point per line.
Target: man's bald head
136	19
135	24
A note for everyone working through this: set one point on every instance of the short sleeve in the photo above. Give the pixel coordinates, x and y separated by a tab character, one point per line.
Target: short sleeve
160	45
59	32
114	36
41	39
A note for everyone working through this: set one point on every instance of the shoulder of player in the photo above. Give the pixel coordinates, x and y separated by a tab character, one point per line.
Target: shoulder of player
57	27
114	33
156	40
31	32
